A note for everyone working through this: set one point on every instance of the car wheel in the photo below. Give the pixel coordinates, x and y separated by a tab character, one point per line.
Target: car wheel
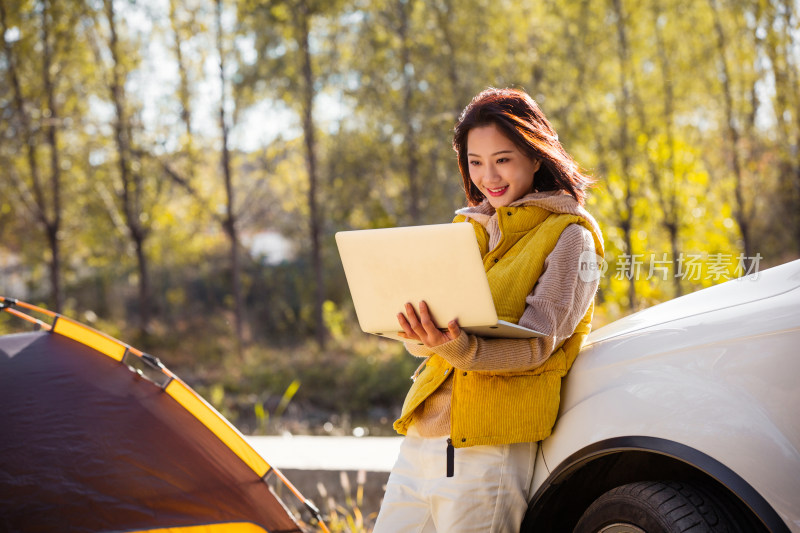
655	507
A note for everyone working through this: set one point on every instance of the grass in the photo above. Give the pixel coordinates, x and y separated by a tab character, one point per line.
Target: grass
346	507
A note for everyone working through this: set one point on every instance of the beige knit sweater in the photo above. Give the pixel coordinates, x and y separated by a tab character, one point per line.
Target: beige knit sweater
555	307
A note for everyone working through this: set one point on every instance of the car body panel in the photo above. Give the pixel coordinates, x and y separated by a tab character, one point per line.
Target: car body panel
765	284
716	371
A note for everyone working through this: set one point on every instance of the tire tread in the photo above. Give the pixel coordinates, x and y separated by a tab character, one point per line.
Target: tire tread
676	507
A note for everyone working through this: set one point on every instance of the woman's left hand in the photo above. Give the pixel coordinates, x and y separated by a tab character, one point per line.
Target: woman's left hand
423	329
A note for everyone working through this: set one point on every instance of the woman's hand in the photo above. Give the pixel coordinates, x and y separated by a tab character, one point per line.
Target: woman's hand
423	329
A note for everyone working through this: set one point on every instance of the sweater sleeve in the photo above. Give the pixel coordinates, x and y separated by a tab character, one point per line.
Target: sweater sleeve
418	349
555	307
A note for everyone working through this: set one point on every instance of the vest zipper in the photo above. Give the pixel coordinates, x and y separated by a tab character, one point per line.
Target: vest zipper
450	458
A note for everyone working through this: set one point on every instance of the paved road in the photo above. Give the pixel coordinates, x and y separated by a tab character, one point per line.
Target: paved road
373	454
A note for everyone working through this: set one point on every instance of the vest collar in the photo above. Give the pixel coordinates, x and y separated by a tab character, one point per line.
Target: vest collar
553	201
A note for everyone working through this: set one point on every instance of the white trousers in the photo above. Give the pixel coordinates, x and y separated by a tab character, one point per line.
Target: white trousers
488	492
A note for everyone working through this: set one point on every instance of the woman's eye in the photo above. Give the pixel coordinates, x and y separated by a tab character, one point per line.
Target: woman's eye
474	163
502	160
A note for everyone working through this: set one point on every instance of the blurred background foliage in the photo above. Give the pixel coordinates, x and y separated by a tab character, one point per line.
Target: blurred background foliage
172	172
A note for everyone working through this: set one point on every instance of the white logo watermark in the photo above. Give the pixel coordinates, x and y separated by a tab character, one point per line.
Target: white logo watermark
591	266
687	266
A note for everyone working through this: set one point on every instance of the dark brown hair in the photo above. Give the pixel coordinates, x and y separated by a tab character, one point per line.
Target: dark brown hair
519	118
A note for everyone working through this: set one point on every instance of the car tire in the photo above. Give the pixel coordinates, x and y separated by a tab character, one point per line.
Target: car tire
656	507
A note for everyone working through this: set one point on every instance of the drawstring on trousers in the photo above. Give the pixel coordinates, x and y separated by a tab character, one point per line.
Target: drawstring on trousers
451	452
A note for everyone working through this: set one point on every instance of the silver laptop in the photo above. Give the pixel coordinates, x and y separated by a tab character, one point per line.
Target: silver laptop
440	264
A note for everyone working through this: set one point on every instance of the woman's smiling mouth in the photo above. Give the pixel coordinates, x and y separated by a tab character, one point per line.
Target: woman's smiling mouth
499	191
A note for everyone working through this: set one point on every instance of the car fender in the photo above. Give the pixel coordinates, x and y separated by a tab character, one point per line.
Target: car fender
717	384
728	443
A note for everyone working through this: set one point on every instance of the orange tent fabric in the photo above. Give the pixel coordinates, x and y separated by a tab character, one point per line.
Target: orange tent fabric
88	445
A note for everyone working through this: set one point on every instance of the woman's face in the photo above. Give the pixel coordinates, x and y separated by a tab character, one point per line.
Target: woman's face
497	167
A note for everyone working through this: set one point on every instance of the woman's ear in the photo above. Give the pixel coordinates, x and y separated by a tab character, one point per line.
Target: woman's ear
537	163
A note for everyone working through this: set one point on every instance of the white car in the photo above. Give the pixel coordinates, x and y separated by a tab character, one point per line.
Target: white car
682	417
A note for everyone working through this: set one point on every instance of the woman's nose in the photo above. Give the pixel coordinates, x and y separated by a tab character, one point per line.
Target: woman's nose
491	173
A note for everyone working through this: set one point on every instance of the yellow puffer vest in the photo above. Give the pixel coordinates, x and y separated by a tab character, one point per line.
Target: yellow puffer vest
507	407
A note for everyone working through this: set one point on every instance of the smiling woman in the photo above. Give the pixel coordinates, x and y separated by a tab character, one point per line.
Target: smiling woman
475	414
523	124
497	167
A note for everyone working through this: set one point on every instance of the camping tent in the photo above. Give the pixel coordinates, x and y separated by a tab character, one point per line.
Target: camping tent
98	436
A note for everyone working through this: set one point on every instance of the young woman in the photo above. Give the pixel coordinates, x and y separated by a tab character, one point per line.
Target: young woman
474	415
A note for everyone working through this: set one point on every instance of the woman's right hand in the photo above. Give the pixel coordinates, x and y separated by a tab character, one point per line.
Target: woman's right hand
423	329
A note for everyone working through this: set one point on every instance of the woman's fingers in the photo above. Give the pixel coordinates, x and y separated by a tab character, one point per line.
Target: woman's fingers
408	331
422	327
413	321
454	329
426	321
433	335
423	324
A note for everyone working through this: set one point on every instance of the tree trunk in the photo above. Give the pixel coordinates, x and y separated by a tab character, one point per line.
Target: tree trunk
784	68
443	18
184	90
792	45
230	208
412	164
303	28
667	195
583	68
626	216
46	211
741	212
53	223
144	282
130	181
184	94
